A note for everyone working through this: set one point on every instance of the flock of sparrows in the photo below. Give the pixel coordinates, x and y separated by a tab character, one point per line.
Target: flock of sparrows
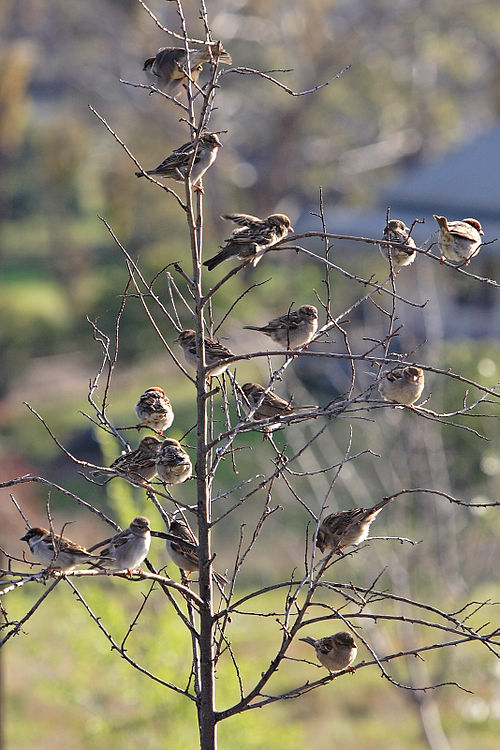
155	455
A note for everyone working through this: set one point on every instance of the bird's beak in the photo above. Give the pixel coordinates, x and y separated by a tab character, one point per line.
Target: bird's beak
176	341
291	229
24	538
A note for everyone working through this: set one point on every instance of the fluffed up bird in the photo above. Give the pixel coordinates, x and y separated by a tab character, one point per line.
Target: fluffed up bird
169	66
271	406
177	164
293	329
250	240
154	409
459	241
139	463
397	231
173	464
347	527
403	385
65	556
183	550
335	652
129	548
215	353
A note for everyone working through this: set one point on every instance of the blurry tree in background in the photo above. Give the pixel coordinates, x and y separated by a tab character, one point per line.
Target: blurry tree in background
421	77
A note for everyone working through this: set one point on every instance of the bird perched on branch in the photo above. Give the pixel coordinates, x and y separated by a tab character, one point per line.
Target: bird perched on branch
347	527
335	652
403	385
271	406
250	240
177	164
169	66
154	409
292	329
459	240
64	555
397	231
183	550
129	548
139	463
215	353
173	464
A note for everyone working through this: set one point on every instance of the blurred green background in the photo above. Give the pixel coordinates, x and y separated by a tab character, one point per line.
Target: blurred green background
424	80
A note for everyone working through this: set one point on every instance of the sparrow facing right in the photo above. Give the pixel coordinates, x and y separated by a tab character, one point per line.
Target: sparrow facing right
335	652
140	463
176	165
169	65
459	240
403	385
215	353
66	555
154	409
293	329
129	548
347	527
252	238
397	231
173	464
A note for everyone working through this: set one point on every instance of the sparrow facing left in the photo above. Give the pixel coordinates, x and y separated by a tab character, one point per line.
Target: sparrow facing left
335	652
140	463
397	231
173	464
293	329
177	164
251	238
271	406
347	527
402	385
459	240
154	409
169	66
184	549
215	353
66	555
129	548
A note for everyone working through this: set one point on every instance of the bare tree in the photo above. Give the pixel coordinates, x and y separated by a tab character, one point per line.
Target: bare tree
307	465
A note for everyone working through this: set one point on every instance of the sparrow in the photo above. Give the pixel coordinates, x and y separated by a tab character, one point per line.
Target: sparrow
176	165
335	652
129	547
459	240
173	464
292	329
154	409
184	549
215	353
403	385
65	556
140	463
397	231
169	66
251	238
271	406
347	527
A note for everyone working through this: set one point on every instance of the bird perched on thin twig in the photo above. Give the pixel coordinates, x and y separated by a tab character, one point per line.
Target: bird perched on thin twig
154	409
347	527
335	652
183	550
271	406
173	464
292	329
397	231
129	548
215	353
402	385
169	66
250	240
57	552
139	463
459	240
177	164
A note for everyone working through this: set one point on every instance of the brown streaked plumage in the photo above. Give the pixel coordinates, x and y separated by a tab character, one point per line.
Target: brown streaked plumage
169	66
402	385
253	236
335	652
295	328
459	241
173	464
397	231
346	527
215	353
154	409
